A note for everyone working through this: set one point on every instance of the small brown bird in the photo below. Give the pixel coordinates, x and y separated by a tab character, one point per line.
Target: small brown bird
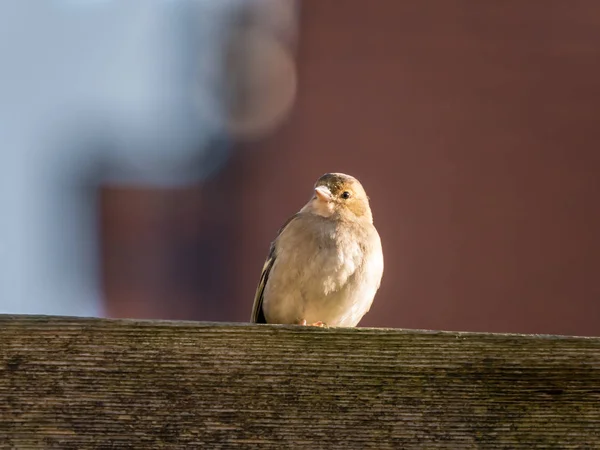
326	262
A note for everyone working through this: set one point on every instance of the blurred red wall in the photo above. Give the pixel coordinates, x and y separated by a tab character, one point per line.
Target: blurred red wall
474	127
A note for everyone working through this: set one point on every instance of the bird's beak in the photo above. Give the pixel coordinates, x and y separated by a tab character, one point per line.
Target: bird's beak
323	193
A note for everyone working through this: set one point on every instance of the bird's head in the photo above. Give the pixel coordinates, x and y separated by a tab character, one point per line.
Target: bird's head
340	195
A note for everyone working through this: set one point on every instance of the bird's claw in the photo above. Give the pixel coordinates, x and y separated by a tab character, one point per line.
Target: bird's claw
316	324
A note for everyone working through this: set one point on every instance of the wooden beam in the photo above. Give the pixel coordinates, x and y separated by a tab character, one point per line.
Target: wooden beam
74	383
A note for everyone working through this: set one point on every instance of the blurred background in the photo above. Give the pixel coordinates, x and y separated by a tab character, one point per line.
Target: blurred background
152	148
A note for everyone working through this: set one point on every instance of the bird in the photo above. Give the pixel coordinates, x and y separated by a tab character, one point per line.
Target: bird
326	263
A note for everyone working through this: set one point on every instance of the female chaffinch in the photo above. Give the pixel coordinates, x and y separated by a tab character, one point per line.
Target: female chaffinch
326	263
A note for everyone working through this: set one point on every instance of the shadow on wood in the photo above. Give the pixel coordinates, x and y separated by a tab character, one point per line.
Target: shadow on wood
94	383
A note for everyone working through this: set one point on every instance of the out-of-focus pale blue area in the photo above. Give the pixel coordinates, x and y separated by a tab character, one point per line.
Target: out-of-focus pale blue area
125	91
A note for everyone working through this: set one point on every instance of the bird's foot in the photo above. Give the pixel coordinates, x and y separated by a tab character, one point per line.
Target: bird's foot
316	324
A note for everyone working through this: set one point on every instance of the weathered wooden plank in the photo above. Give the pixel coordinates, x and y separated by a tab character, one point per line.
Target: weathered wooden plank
90	383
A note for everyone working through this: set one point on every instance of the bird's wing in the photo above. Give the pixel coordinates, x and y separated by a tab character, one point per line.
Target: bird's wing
258	315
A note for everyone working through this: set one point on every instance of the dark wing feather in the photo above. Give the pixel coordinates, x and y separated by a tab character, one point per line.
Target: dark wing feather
258	315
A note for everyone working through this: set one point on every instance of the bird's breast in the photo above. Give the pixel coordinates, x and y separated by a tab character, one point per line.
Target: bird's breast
334	263
319	273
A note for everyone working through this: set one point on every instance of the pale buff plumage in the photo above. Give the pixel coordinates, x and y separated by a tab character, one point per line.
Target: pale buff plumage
326	263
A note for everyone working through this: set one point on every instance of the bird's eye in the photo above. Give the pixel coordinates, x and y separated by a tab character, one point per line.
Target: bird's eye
345	195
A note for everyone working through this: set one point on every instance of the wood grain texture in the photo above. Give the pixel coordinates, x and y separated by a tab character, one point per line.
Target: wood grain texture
73	383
